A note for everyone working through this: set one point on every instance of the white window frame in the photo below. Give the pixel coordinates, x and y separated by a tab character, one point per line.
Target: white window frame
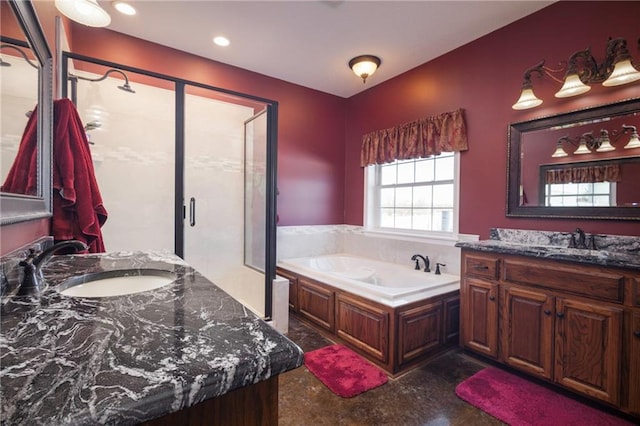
611	194
371	204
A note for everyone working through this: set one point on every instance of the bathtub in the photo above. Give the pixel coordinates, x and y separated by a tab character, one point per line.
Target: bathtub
390	284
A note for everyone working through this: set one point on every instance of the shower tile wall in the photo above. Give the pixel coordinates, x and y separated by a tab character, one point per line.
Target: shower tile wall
133	152
301	241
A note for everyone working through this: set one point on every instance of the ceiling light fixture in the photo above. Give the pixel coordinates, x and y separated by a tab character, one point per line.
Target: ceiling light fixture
583	69
124	8
364	66
221	41
86	12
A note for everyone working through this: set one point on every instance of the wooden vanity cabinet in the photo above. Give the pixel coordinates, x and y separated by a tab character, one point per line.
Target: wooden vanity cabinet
559	321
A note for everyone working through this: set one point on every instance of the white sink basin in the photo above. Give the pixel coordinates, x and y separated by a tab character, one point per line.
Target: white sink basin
116	283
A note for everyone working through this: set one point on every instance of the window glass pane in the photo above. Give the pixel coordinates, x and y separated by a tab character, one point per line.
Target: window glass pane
388	174
422	196
585	188
444	168
403	218
405	172
386	218
601	201
387	197
443	220
403	197
425	171
570	188
422	219
443	195
556	189
601	187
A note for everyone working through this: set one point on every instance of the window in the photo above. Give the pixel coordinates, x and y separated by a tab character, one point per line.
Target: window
591	194
413	195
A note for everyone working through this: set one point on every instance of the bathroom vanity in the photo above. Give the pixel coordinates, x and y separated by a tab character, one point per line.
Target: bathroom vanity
184	353
565	315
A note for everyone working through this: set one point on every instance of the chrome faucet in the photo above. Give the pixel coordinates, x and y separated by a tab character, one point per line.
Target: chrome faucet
425	259
33	282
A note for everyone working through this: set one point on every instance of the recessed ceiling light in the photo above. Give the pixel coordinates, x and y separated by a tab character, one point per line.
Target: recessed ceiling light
124	8
221	41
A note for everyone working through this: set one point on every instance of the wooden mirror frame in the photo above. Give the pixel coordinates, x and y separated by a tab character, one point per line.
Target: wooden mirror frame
514	152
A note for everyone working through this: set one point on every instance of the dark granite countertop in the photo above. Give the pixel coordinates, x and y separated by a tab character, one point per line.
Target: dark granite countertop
614	251
126	359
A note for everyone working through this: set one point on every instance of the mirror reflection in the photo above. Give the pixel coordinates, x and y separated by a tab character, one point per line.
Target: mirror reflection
18	90
587	164
581	164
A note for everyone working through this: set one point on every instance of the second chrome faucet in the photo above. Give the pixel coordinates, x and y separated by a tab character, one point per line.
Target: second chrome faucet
416	258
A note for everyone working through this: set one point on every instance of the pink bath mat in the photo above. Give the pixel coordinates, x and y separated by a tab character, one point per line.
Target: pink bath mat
520	402
343	371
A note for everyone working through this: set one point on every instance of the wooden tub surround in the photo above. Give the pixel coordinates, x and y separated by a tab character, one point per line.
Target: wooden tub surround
394	338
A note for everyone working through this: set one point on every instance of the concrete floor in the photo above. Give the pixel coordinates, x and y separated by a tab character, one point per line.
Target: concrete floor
424	396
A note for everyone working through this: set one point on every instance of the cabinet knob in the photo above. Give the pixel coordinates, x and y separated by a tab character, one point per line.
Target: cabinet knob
492	298
636	333
560	315
547	312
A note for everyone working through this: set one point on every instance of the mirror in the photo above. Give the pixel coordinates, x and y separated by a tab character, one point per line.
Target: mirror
26	72
549	177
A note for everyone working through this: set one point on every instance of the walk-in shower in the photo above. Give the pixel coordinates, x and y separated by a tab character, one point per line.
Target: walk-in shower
196	179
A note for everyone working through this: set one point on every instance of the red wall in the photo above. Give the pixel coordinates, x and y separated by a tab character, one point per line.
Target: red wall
484	78
311	123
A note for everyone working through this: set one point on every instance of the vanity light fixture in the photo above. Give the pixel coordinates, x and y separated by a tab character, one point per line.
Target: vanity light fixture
364	66
86	12
582	70
587	143
634	140
124	8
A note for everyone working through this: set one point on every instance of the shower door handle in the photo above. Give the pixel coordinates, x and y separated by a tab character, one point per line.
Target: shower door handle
192	212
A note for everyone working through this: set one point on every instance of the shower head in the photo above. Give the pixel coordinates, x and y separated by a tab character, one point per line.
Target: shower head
126	87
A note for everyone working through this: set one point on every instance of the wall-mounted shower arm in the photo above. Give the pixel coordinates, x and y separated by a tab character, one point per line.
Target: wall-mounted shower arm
20	51
74	81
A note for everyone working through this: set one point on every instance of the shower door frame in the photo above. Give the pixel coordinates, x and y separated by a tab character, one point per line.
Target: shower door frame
179	204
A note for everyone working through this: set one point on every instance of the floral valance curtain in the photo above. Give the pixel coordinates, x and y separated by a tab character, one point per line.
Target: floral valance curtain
609	173
418	139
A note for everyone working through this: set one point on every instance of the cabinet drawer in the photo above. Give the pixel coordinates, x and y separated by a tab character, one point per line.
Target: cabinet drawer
482	266
590	282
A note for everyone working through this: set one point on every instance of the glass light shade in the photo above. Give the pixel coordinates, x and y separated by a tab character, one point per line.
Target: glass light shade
527	100
582	148
634	141
364	69
623	73
86	12
572	86
559	152
605	145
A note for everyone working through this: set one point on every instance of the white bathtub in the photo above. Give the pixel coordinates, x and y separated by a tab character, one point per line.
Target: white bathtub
388	283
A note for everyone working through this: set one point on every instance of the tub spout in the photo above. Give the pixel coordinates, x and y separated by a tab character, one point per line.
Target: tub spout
33	281
425	259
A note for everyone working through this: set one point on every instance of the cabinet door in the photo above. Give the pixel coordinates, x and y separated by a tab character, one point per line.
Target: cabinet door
480	316
527	330
588	341
293	288
634	364
364	326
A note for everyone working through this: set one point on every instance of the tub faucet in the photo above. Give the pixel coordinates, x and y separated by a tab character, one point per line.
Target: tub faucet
425	259
33	281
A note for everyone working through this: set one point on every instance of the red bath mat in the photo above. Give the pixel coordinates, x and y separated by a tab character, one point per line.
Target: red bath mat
343	371
519	402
